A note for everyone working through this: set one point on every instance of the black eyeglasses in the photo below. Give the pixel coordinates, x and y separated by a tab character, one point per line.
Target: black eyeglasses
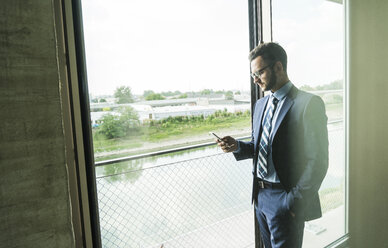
259	73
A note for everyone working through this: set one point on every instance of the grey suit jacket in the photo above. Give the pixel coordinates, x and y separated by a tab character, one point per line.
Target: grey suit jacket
299	150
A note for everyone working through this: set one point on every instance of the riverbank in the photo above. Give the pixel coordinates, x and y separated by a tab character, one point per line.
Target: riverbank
171	143
182	136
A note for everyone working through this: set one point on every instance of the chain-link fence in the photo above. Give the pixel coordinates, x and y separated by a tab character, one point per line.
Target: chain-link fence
199	202
181	201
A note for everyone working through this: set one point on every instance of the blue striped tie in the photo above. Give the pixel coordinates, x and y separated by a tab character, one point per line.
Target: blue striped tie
264	141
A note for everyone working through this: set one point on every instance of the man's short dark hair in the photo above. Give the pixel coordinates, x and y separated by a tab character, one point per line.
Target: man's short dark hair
271	52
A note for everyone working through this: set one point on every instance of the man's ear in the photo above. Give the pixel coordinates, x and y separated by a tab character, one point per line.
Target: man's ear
278	67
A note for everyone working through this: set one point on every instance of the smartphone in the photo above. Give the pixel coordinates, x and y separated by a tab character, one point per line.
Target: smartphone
219	139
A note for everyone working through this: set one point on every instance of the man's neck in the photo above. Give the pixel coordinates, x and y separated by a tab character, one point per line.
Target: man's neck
280	84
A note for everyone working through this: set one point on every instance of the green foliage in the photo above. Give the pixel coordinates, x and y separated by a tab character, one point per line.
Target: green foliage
94	100
129	116
337	99
229	95
117	126
170	93
123	94
185	125
102	100
155	96
338	84
179	127
111	126
102	144
335	85
147	93
333	98
306	88
206	92
332	198
183	96
183	122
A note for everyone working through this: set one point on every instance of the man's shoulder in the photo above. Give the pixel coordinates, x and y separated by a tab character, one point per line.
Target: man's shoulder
307	96
262	101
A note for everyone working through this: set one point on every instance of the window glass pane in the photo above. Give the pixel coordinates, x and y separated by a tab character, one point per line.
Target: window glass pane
162	75
311	31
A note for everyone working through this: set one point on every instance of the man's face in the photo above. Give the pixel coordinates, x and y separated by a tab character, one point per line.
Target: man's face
265	76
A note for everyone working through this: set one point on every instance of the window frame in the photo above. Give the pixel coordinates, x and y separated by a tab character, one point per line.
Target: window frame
80	112
342	241
260	30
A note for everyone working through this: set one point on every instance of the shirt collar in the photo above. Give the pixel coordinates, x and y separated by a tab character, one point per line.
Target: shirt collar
283	91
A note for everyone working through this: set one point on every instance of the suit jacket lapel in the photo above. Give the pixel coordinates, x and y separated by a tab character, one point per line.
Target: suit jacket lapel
259	119
288	102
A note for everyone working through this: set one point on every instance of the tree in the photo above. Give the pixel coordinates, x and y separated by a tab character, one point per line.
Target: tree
129	118
147	93
206	92
123	94
338	84
111	126
229	95
306	87
102	100
117	126
155	96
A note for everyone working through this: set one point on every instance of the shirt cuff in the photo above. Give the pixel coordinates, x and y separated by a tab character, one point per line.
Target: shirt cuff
238	147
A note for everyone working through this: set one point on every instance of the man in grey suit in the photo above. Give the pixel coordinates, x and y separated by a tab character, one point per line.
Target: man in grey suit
289	147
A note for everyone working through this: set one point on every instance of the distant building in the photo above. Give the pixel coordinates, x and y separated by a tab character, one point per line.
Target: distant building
160	109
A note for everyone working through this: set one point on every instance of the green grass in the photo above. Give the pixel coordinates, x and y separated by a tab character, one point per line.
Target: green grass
102	144
167	132
331	198
334	111
184	130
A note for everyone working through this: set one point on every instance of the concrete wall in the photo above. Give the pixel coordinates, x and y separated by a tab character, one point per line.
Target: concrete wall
368	124
34	196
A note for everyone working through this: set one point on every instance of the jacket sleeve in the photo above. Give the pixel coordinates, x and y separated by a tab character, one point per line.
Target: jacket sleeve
316	151
246	148
244	151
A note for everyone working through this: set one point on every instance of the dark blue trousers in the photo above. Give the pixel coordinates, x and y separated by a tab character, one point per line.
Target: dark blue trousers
278	228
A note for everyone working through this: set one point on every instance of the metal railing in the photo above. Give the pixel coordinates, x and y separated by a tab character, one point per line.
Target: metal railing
197	202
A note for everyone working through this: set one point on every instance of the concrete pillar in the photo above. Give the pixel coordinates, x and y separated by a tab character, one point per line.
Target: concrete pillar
368	123
35	209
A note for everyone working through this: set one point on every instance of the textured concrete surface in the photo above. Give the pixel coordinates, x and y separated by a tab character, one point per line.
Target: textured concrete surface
34	196
368	122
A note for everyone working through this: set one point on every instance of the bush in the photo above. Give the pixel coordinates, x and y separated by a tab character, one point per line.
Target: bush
154	96
111	126
118	126
229	95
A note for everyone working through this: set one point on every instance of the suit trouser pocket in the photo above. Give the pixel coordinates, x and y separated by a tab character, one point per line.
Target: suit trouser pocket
282	229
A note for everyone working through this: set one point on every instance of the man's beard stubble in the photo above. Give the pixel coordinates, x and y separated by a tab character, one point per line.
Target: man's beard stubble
272	80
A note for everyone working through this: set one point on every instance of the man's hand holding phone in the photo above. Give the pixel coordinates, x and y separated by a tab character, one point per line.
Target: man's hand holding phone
227	143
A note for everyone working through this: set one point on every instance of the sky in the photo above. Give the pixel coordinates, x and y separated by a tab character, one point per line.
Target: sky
313	36
191	45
